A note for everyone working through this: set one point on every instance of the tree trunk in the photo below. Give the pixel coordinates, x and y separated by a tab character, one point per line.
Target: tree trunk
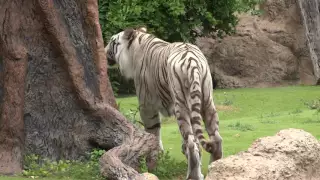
11	123
310	13
56	90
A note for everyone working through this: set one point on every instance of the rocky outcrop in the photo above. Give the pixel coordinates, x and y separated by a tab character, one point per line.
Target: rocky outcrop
291	154
266	50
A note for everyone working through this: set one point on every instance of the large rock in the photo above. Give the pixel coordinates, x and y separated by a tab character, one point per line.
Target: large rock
291	154
265	51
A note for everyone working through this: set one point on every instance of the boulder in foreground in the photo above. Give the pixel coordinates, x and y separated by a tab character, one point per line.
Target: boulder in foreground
291	154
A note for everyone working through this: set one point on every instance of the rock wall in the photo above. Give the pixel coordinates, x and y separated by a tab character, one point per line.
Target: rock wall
267	50
291	154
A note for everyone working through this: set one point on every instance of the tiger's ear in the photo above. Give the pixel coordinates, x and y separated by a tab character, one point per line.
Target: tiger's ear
142	29
128	33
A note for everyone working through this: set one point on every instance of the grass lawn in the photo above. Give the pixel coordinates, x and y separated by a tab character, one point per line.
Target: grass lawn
245	115
25	178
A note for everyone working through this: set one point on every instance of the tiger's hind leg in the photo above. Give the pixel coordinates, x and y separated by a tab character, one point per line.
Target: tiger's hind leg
211	120
190	145
152	123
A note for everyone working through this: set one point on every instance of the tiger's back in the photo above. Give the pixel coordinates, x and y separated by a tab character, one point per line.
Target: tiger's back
154	82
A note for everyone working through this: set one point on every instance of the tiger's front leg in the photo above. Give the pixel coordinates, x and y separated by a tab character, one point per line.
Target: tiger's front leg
152	124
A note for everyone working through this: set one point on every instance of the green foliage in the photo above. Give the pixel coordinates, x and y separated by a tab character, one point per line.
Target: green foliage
267	121
96	154
312	120
249	6
241	126
35	166
179	20
167	166
133	115
313	104
296	111
271	115
268	118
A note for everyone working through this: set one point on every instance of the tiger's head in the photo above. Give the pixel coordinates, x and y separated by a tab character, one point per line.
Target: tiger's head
118	49
120	43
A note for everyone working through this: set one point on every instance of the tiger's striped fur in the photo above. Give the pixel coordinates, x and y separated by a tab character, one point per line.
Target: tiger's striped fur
173	79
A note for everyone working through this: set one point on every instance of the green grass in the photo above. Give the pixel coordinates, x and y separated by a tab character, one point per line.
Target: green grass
25	178
245	115
252	113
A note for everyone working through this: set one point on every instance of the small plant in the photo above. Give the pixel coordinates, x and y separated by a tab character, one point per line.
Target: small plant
96	154
265	118
241	126
271	114
167	167
87	169
267	121
143	165
314	104
227	100
35	167
309	120
297	111
132	116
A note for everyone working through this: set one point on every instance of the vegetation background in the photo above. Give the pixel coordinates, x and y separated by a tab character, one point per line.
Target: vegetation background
179	20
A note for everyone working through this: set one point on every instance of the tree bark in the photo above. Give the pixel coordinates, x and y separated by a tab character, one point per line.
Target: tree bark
11	125
310	14
56	89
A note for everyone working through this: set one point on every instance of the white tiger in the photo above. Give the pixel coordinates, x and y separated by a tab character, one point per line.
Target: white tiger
173	79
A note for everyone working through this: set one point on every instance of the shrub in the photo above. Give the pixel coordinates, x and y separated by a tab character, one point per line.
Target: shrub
181	20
